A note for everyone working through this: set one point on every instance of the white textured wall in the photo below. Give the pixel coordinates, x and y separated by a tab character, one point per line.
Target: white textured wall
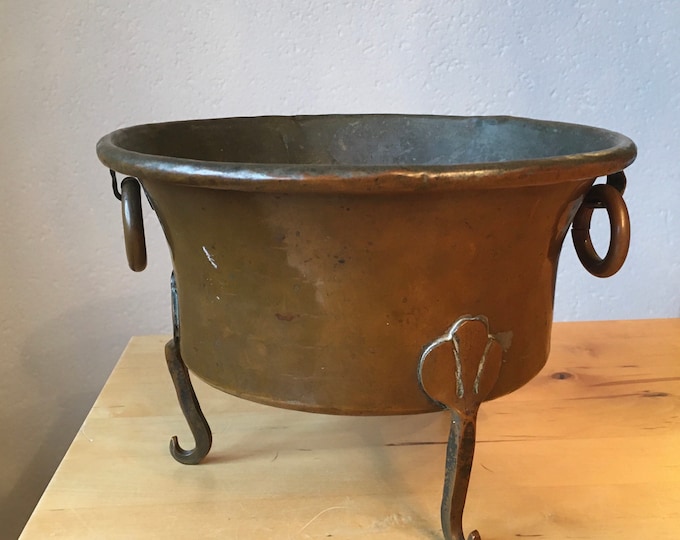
72	71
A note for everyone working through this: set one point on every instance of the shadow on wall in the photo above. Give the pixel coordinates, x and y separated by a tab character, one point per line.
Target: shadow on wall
63	365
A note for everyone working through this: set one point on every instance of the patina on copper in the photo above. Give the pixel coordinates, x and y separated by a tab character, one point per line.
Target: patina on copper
316	257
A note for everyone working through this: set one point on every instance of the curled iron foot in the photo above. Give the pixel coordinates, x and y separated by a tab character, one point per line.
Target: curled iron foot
457	371
190	407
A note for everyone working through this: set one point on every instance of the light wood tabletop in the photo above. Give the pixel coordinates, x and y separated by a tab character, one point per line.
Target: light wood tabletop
589	449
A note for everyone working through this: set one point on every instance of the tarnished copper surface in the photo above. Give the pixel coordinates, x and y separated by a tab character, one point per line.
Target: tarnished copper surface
316	256
317	259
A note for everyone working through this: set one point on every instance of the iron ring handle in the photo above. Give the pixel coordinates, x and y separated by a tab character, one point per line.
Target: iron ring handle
133	223
609	197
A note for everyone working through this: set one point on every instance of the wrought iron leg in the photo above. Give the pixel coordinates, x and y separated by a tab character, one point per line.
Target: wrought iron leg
460	382
186	396
459	454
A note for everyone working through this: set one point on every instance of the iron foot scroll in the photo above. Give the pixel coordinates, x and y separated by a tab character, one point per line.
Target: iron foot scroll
458	370
186	396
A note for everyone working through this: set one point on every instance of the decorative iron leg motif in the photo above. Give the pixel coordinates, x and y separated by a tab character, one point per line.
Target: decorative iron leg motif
458	370
186	395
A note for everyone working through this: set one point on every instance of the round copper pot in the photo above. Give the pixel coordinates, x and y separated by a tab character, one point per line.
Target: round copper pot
316	257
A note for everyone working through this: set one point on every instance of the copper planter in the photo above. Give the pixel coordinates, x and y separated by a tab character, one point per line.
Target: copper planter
368	264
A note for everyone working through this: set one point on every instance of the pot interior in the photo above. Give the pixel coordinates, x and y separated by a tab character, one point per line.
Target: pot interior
366	140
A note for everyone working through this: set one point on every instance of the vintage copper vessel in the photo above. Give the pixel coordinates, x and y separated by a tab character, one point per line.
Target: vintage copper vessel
367	264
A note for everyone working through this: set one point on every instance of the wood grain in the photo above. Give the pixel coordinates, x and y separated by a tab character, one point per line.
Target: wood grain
589	449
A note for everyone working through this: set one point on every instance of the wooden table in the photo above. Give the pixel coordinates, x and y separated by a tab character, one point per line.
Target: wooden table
589	449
